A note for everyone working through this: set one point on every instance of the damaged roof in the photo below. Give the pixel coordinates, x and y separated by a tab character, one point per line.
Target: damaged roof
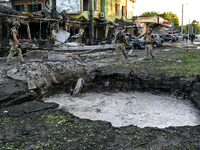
8	10
123	22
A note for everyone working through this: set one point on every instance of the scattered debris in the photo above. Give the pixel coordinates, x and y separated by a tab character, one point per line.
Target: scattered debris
79	86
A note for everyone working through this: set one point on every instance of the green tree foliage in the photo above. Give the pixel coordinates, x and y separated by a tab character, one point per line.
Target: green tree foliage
195	26
172	17
150	13
184	29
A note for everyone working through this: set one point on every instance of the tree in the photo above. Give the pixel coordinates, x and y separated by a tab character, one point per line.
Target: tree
150	13
172	17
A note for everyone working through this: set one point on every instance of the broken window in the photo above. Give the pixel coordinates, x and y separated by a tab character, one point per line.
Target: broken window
19	8
95	4
124	11
85	5
117	9
34	8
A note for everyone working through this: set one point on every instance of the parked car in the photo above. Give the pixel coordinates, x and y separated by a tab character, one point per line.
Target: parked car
136	42
158	41
169	37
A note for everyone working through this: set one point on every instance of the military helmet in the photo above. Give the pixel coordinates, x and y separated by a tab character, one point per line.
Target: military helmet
16	24
150	29
120	28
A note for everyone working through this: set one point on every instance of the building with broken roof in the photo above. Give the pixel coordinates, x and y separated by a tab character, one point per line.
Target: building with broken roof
106	13
158	24
39	17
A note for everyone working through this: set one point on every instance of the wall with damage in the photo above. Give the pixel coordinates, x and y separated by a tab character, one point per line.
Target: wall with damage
110	8
70	6
97	12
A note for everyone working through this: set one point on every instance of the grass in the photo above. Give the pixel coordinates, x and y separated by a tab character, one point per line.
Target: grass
177	62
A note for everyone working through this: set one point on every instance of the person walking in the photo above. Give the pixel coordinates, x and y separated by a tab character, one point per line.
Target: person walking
14	43
149	39
121	41
192	38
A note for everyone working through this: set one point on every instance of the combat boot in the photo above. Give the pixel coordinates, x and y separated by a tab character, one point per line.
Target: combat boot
23	62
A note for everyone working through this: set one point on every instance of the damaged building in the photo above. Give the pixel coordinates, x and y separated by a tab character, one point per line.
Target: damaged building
39	17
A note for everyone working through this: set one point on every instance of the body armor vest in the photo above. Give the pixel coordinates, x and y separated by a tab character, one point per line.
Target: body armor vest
120	37
148	40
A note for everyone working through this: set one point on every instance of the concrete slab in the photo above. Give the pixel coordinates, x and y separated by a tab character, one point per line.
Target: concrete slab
31	85
58	57
21	78
83	48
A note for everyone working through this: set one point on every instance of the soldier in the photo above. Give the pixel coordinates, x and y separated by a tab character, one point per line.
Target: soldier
14	43
149	38
121	40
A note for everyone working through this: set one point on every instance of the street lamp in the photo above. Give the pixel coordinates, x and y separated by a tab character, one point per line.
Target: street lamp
182	25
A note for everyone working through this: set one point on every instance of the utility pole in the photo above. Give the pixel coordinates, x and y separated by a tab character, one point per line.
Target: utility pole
182	27
90	23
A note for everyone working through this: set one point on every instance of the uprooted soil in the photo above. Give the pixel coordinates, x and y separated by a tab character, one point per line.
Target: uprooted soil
26	122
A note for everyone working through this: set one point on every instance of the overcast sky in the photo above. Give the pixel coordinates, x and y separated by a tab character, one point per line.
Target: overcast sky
192	10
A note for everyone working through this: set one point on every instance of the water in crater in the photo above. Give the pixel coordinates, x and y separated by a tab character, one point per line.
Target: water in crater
134	108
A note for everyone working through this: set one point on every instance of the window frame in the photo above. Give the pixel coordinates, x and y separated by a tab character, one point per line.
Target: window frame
117	9
123	11
83	6
95	5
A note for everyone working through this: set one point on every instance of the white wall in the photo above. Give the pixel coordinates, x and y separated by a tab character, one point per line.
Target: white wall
8	4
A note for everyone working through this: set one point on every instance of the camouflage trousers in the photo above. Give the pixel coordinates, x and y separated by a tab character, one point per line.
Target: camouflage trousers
14	48
120	46
149	50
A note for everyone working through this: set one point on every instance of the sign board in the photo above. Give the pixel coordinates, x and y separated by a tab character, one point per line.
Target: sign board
70	6
165	22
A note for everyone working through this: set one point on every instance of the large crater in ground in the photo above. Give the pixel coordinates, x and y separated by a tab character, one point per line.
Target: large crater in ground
133	108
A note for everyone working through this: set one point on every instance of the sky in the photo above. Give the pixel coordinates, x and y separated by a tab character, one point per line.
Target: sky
191	11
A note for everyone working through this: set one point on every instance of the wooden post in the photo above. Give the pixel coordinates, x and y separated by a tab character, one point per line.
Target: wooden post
7	27
28	31
47	29
90	23
40	30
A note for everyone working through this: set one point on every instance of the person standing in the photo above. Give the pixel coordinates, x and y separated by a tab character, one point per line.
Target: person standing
14	43
149	39
121	41
192	38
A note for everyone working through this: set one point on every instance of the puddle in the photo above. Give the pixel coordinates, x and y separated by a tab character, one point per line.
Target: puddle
134	108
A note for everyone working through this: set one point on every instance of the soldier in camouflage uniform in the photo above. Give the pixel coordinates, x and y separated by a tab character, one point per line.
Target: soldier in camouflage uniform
121	40
14	43
149	38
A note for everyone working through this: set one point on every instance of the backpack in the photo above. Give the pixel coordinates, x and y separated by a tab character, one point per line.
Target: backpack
9	35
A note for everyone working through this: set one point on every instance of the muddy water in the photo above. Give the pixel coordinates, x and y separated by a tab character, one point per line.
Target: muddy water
122	109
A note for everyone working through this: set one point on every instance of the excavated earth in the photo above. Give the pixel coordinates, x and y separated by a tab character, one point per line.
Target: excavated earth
26	122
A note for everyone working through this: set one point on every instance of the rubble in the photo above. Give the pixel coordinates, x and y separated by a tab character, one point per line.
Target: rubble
79	86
